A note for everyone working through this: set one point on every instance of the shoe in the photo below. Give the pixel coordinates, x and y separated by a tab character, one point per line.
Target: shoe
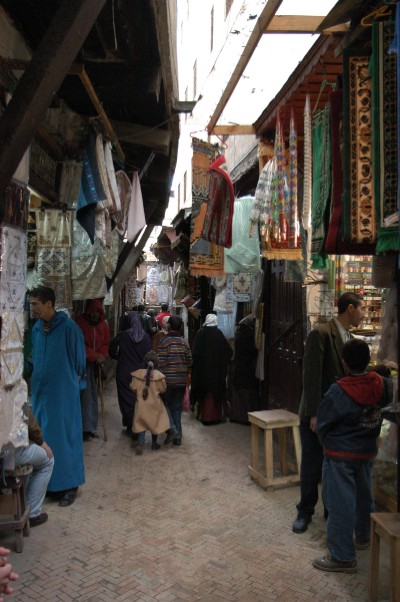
177	442
87	436
35	521
155	446
171	435
139	448
68	497
94	434
301	523
331	565
361	545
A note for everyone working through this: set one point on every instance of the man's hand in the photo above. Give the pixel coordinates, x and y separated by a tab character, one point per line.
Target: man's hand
6	573
100	359
47	449
313	424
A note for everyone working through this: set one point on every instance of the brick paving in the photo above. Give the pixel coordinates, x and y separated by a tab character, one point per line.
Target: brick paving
180	524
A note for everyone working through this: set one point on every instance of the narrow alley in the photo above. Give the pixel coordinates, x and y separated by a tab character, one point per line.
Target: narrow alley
178	524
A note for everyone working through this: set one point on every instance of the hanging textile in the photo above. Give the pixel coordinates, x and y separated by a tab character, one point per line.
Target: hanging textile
87	266
217	227
124	192
239	287
384	113
395	48
115	212
15	203
274	204
307	177
321	185
132	294
206	259
13	427
53	261
358	214
13	260
244	254
71	176
87	199
152	282
101	163
136	217
293	222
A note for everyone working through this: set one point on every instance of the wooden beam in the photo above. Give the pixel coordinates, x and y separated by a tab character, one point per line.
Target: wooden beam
265	17
300	24
133	133
83	76
233	130
49	65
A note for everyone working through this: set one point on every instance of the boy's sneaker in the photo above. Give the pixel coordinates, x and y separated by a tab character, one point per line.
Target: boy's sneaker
361	545
331	565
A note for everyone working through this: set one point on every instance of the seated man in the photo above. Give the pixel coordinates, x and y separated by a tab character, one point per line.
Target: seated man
40	456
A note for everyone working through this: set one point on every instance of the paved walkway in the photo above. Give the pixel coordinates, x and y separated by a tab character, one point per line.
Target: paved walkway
179	524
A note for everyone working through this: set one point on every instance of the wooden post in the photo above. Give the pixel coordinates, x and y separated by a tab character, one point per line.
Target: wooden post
47	70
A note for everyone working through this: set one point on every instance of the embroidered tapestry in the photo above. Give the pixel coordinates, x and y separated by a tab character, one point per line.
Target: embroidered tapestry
13	427
15	203
239	287
87	266
206	259
13	267
70	183
54	270
384	107
321	184
53	228
358	215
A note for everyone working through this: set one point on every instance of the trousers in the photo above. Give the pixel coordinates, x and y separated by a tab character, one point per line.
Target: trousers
40	476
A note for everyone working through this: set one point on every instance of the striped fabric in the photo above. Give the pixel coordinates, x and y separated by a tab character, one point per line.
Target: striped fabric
175	358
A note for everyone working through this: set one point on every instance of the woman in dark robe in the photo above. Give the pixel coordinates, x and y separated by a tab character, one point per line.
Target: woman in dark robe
245	387
211	356
134	343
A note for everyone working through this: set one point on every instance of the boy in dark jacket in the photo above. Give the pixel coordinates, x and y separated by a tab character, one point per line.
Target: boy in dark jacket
349	421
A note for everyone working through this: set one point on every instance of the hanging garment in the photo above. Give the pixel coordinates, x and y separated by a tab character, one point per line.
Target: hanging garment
87	199
307	176
87	266
395	48
321	185
358	214
217	227
70	182
244	254
384	119
15	203
124	191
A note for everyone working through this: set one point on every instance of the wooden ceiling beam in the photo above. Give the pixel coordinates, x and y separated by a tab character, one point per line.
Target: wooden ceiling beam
133	133
49	65
233	130
300	24
265	17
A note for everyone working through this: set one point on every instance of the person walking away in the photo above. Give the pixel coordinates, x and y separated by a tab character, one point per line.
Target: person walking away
145	320
164	312
155	341
349	420
59	361
150	414
97	341
41	458
322	365
175	359
134	343
211	356
154	324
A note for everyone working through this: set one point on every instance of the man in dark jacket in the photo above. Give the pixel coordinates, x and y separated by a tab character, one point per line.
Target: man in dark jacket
97	341
322	365
349	421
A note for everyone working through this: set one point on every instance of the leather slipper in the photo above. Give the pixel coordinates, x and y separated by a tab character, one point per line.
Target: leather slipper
68	498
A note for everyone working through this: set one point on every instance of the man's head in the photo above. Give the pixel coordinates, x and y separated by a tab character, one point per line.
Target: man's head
175	323
140	308
42	300
94	311
356	356
164	306
350	309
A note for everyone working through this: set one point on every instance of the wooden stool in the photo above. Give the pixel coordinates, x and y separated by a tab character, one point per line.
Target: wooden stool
268	420
387	526
13	502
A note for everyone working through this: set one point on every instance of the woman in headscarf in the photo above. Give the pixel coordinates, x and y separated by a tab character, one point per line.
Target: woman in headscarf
211	356
134	343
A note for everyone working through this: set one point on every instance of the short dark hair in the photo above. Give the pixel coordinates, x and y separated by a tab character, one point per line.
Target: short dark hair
348	299
140	308
356	354
175	323
164	306
44	293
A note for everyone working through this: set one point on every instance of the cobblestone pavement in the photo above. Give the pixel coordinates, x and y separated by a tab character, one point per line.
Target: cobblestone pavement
179	524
